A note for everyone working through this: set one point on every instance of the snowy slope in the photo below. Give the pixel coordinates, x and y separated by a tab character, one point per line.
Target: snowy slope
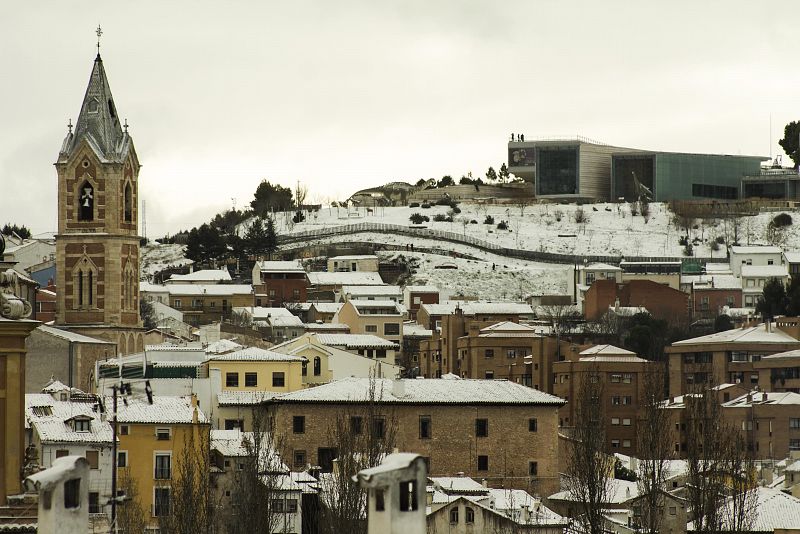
157	257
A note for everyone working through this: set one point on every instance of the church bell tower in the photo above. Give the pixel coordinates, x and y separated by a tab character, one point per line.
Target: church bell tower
97	246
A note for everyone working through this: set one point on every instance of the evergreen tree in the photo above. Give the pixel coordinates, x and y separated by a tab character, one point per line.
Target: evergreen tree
21	231
503	173
793	297
205	245
491	175
790	142
270	197
773	302
260	239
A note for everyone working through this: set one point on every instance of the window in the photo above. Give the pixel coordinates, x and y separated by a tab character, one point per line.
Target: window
483	463
616	377
163	465
250	380
488	353
408	496
615	444
232	380
626	378
626	422
489	375
317	366
454	514
794	422
673	510
615	420
533	469
72	493
178	303
61	452
469	515
511	353
380	353
391	329
424	426
234	424
93	457
278	379
380	503
291	506
481	428
299	424
299	459
371	328
124	430
794	444
162	502
533	425
81	425
715	191
378	427
94	502
122	458
356	425
162	434
626	443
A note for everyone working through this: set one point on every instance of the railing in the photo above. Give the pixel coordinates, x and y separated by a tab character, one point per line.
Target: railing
453	237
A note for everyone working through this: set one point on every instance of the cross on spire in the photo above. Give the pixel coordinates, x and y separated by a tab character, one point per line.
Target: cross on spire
99	32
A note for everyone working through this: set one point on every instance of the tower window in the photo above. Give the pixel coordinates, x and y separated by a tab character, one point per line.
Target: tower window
111	110
86	202
128	208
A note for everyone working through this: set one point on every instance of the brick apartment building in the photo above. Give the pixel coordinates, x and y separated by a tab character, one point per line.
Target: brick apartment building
488	429
622	376
278	282
724	357
662	301
779	372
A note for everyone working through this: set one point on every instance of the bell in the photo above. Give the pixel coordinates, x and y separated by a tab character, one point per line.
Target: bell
86	203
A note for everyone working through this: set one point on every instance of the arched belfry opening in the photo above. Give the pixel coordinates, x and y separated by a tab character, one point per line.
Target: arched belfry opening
86	202
128	203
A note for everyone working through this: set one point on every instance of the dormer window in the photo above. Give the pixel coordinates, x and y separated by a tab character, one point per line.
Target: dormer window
81	425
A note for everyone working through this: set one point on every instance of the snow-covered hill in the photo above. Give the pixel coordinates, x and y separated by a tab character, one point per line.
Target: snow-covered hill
157	257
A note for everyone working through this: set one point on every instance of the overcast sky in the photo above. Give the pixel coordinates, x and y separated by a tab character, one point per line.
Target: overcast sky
350	94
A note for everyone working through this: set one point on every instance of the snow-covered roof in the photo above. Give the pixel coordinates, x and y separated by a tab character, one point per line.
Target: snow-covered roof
462	485
424	391
738	312
357	278
718	281
764	271
147	287
412	329
385	290
422	289
291	321
722	268
392	462
752	334
756	249
51	419
57	386
212	290
764	397
792	256
243	398
774	510
627	311
203	275
606	350
507	326
255	354
512	501
259	313
354	257
221	346
788	355
355	341
279	266
619	492
316	327
478	308
71	336
361	305
328	307
164	410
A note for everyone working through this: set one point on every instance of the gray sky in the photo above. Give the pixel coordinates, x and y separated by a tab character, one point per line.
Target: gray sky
350	94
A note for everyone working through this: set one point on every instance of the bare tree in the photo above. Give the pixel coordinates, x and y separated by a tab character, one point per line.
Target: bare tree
257	482
300	194
588	467
192	506
654	446
563	317
130	513
364	435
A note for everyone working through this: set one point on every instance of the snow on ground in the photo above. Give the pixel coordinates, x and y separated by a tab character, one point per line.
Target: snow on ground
610	230
157	257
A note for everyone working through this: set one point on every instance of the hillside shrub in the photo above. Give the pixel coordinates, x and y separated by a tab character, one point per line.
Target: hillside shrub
502	225
441	217
418	218
580	216
720	239
425	205
455	209
298	217
688	250
488	220
781	220
473	221
414	205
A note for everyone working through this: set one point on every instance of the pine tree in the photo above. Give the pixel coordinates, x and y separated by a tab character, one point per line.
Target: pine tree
491	174
503	173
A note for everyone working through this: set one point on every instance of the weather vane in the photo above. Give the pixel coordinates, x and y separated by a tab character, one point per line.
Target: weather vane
99	32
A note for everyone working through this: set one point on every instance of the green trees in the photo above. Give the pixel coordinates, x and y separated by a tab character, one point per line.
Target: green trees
269	198
260	238
773	301
445	181
790	142
503	174
205	244
491	175
21	231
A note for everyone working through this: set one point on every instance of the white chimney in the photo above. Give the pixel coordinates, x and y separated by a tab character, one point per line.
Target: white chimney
398	388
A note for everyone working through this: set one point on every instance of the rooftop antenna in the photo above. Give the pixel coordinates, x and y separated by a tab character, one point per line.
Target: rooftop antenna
99	32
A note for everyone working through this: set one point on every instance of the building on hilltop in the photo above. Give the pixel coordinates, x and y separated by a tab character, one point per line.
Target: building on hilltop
278	282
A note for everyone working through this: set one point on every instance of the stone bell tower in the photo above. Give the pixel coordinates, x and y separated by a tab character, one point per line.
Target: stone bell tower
97	246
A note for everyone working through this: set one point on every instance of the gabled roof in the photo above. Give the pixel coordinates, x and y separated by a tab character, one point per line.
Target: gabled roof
478	308
461	485
328	307
423	391
774	510
207	275
164	410
766	271
223	345
752	334
243	398
293	266
98	122
763	398
255	354
71	336
606	350
788	355
53	425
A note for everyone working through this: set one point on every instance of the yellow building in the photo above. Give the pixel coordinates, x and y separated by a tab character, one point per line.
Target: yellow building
382	318
255	369
152	438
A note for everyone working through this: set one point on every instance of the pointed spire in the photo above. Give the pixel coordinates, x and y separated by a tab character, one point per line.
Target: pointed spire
98	121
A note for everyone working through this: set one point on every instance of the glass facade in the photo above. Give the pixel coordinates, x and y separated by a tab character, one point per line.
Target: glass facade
625	168
521	157
775	190
557	170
